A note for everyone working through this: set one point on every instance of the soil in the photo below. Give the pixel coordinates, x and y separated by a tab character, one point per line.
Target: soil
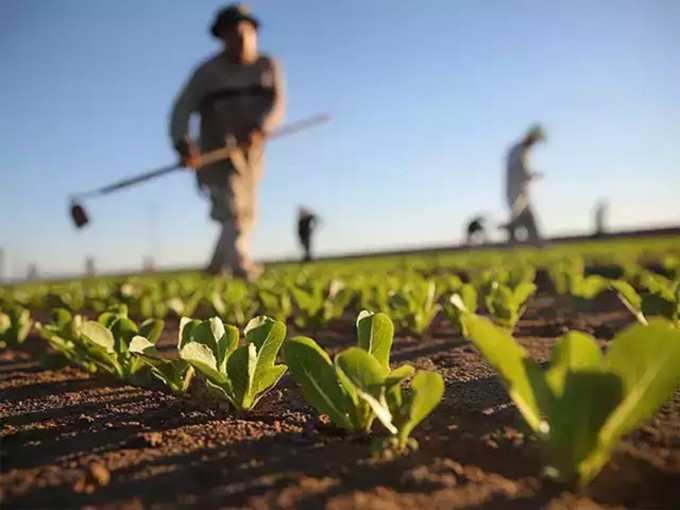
70	440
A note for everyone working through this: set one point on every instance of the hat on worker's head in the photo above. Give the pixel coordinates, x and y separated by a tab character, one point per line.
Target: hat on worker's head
536	133
230	16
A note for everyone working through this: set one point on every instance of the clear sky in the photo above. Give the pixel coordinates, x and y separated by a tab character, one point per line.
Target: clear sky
426	98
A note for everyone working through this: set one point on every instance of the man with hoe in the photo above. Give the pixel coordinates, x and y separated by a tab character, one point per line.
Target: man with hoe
519	176
239	96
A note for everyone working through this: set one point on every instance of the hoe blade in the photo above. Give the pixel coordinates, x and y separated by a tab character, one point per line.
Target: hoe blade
78	215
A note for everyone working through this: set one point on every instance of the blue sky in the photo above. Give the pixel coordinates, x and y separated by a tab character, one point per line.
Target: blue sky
426	97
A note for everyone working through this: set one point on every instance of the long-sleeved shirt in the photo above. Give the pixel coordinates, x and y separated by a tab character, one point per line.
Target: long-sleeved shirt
518	178
230	98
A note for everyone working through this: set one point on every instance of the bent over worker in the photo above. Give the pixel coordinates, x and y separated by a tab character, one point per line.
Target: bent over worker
239	96
519	176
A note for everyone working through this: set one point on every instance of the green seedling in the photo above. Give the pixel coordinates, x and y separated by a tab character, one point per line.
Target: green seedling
464	300
584	402
15	325
276	304
175	374
62	333
415	305
568	277
506	305
239	374
318	304
185	306
359	386
102	345
630	298
661	299
233	304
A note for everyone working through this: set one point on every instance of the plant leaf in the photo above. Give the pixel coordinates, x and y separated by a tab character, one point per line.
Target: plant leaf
630	298
99	335
202	359
312	370
427	390
574	351
151	329
375	333
241	369
522	377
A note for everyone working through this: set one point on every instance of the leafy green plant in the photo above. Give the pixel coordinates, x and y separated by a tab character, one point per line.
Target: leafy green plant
175	374
62	333
630	298
464	300
15	325
661	299
415	306
506	305
233	304
568	277
185	306
584	402
239	374
318	304
69	296
276	304
102	345
359	385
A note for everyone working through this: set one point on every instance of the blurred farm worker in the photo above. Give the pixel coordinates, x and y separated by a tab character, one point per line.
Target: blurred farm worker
307	223
519	176
600	214
239	95
475	231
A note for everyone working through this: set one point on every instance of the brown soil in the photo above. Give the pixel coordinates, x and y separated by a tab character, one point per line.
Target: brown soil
70	440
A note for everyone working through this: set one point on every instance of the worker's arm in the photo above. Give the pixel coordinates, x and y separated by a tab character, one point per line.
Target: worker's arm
185	104
274	116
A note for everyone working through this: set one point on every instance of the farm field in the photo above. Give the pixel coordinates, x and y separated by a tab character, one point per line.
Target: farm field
82	431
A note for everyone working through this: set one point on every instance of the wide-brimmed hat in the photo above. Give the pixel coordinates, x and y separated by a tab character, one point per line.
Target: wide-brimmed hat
231	15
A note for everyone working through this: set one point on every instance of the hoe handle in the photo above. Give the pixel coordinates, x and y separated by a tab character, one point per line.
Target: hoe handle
206	159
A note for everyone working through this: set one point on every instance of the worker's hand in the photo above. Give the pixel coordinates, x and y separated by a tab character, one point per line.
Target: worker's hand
250	136
188	152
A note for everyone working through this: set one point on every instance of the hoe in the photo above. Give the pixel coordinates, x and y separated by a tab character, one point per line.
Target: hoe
230	150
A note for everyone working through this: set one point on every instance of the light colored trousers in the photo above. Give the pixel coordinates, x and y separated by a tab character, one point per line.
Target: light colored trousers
234	206
525	219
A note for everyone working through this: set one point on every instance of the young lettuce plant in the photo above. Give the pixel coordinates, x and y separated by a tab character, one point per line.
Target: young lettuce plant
112	333
15	325
359	386
506	305
658	301
175	374
102	345
463	300
276	304
662	298
568	277
62	334
318	303
239	374
584	402
234	304
415	305
630	298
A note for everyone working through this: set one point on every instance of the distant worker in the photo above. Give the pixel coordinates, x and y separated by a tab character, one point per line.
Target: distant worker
239	96
519	176
476	231
307	223
601	210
